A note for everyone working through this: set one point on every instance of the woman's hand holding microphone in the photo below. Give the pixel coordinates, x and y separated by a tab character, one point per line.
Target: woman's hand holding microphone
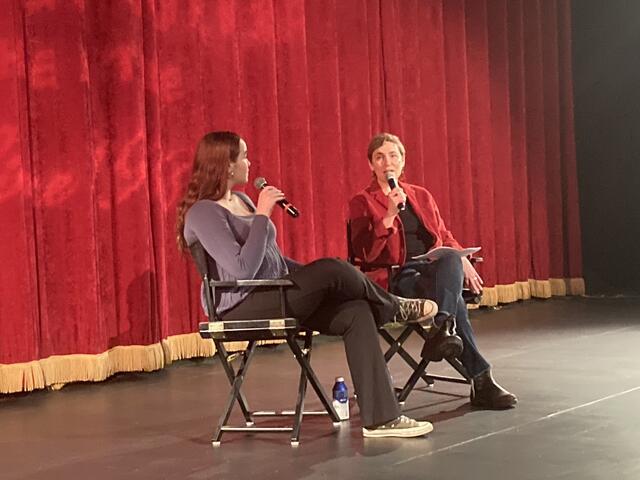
267	199
395	197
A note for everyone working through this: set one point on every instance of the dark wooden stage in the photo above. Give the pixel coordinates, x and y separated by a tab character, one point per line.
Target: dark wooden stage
573	362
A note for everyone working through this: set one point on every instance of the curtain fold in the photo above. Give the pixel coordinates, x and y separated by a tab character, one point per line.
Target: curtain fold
103	103
501	142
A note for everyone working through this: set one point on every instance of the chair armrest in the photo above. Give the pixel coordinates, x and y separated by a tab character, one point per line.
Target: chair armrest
254	329
250	283
365	266
469	297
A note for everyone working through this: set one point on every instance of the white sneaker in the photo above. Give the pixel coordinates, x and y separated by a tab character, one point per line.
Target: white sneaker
415	310
403	427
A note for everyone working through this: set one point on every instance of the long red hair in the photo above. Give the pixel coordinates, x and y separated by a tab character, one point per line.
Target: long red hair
210	174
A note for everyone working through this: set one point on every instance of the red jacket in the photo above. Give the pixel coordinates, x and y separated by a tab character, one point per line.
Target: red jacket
373	242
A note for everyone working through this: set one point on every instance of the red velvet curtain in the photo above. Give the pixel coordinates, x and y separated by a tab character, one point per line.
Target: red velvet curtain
103	103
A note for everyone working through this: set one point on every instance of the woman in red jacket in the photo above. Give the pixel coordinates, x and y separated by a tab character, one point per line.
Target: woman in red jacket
384	233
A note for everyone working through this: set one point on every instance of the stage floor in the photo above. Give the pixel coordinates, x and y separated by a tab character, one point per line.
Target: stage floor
573	362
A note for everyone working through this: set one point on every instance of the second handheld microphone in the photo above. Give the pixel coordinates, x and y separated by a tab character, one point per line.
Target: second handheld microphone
393	183
260	183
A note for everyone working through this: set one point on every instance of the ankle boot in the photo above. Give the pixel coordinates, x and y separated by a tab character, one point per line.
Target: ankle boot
442	341
486	393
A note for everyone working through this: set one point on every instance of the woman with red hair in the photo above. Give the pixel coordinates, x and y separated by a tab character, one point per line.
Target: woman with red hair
329	295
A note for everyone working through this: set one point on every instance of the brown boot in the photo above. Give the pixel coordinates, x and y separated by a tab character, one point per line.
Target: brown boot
486	393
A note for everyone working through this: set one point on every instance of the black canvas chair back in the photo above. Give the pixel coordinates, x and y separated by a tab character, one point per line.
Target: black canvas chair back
201	259
418	367
253	330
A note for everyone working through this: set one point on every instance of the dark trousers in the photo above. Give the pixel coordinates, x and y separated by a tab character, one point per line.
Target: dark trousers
333	297
442	281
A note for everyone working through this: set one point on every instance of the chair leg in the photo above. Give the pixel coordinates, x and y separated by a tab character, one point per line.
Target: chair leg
419	369
302	392
415	365
457	365
313	379
413	379
234	394
231	375
394	343
396	347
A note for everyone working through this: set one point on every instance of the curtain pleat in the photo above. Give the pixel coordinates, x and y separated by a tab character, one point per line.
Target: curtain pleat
501	143
480	128
19	297
103	103
428	165
519	157
462	215
570	201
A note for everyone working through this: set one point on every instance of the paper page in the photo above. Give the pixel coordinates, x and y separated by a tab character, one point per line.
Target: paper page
437	253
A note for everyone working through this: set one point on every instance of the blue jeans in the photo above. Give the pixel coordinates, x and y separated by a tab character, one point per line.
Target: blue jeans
442	282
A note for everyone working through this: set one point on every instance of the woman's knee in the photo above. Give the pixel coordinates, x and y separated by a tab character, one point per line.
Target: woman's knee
335	266
406	283
450	262
354	318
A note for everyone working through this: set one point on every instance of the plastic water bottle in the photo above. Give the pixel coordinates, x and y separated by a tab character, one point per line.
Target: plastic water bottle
341	399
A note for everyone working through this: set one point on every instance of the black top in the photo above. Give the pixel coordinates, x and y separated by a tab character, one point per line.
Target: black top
416	237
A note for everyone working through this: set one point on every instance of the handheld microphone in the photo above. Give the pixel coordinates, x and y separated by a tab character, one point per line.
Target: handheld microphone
393	183
260	183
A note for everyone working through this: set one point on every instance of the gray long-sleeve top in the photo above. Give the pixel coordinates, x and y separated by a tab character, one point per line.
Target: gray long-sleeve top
243	247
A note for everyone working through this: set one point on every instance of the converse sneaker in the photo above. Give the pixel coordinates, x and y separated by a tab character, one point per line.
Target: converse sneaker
415	310
403	427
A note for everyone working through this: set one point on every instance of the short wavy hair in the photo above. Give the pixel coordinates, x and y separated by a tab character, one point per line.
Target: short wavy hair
377	141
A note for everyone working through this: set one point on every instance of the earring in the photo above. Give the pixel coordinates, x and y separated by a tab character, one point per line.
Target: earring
231	174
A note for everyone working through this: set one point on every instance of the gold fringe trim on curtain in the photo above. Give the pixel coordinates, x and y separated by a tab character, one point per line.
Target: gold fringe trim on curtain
492	296
21	377
190	345
55	371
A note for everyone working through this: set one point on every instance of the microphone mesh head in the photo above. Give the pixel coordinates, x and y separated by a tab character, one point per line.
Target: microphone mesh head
389	175
259	183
